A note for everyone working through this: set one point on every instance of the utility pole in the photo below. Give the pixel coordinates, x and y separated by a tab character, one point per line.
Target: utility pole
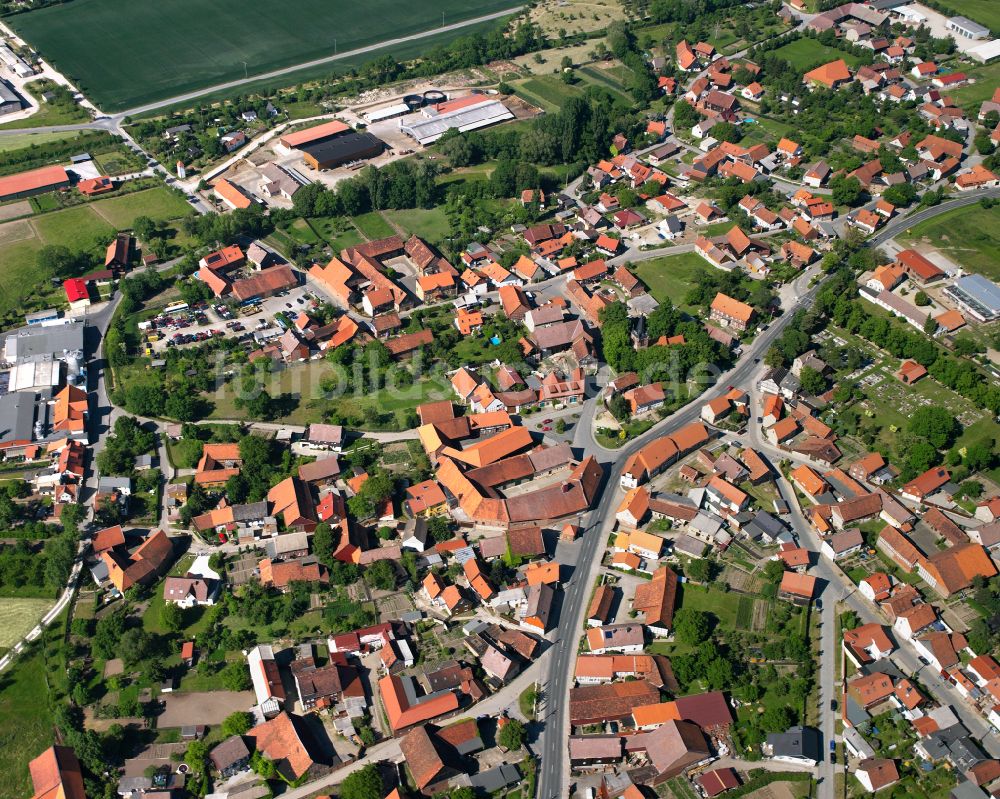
245	74
335	45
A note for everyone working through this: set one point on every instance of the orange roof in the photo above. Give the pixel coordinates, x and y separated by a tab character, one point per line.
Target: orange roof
33	180
802	585
785	428
648	715
547	573
280	740
55	774
830	74
950	320
732	308
787	146
325	130
402	714
451	596
809	481
492	449
227	191
467	321
638	539
728	491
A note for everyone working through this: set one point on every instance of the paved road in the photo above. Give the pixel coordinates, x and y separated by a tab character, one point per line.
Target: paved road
598	525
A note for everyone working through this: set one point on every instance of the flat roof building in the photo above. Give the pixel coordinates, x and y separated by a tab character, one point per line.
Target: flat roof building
29	342
431	125
964	26
332	152
976	296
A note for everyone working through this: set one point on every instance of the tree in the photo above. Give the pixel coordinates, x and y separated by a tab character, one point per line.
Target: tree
920	299
172	616
699	570
365	783
777	718
144	228
236	677
692	626
846	191
511	735
135	645
937	425
57	259
382	575
812	381
237	723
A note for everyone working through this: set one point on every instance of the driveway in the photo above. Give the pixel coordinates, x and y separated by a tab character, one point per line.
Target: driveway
210	707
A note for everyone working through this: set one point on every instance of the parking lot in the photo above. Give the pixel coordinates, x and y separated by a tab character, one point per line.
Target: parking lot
209	319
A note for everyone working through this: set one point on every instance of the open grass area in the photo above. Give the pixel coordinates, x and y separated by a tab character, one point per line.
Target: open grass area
970	236
18	616
167	49
371	410
18	140
546	91
373	226
805	54
82	227
25	722
671	276
430	224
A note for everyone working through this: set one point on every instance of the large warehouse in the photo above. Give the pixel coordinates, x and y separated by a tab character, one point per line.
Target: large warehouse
313	135
466	113
344	149
977	296
35	181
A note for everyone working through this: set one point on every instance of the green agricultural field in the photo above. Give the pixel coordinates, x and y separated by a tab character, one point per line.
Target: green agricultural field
970	236
164	49
18	616
805	54
546	91
671	276
82	227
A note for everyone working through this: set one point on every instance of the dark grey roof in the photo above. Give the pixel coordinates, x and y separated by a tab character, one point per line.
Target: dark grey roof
764	524
801	742
496	778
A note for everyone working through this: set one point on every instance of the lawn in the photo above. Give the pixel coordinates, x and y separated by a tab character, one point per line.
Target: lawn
19	140
805	54
303	383
159	204
430	224
671	276
970	235
724	606
373	226
18	616
972	95
25	723
166	49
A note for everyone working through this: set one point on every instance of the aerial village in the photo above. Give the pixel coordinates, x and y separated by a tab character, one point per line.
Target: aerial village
736	539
